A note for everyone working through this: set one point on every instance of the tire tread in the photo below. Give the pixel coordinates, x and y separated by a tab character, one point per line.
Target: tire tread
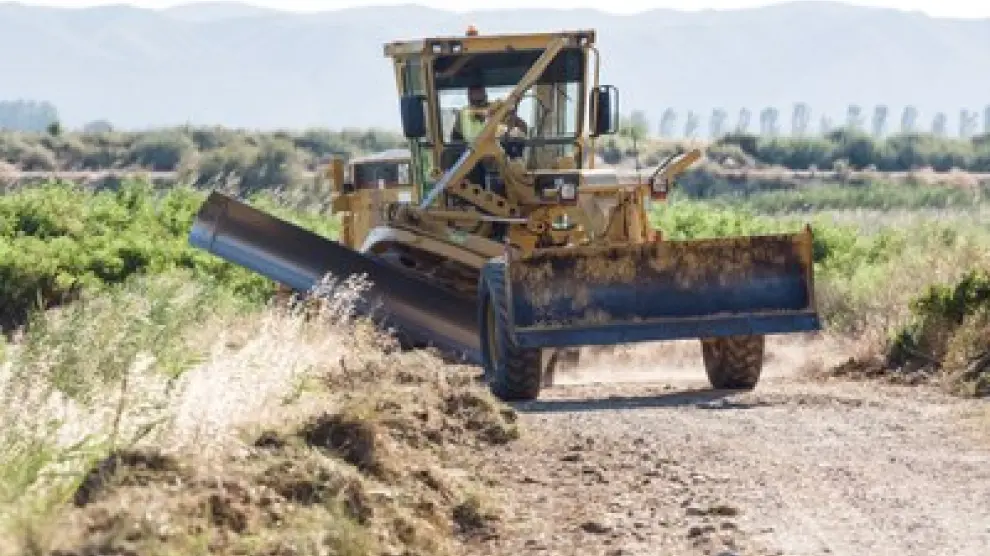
734	362
519	374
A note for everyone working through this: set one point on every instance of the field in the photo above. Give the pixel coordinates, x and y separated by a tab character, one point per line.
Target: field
159	402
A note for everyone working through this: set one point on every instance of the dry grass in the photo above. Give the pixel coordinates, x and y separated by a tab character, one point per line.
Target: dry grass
955	177
879	304
873	302
281	432
870	221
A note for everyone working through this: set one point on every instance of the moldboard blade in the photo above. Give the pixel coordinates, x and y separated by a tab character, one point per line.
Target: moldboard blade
664	291
300	259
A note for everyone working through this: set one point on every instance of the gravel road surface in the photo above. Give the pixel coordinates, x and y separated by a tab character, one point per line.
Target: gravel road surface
655	463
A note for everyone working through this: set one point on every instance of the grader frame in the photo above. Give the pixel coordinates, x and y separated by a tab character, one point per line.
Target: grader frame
510	245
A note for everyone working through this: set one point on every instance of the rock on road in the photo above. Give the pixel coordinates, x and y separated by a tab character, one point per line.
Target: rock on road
796	467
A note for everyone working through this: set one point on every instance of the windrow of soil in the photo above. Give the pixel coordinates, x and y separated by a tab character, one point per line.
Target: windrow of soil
373	458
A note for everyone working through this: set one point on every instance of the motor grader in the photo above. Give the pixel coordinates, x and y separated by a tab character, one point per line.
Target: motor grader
501	242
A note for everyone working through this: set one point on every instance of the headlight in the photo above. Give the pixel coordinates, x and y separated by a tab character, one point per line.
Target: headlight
557	188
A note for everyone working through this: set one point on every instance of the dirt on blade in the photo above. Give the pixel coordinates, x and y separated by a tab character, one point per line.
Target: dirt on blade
798	467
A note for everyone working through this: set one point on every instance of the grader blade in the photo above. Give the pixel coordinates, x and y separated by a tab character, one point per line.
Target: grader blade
668	290
300	259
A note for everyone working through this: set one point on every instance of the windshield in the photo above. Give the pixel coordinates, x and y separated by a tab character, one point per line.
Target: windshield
547	115
378	175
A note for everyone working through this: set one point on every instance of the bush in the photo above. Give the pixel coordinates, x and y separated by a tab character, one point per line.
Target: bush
899	152
160	152
949	334
876	195
164	150
938	312
58	239
247	168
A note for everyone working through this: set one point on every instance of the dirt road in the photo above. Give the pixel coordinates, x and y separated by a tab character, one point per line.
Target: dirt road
798	467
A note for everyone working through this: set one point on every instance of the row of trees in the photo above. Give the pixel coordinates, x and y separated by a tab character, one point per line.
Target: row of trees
836	149
857	150
257	158
39	116
771	124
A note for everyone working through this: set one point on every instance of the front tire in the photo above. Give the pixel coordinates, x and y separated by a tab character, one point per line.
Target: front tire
734	362
513	373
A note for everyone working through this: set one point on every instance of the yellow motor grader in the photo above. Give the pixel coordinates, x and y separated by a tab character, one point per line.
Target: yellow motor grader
494	237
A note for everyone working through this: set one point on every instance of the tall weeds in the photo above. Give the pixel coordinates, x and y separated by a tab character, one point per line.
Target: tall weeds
181	369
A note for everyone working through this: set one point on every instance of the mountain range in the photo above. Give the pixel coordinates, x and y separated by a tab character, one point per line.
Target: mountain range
243	66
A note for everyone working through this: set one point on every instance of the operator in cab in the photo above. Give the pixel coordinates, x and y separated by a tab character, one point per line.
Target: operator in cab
472	118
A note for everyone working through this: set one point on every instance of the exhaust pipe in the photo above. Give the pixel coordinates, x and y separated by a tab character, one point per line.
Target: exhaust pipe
300	259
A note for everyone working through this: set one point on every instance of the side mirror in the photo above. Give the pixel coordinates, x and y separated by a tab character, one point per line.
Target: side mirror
413	113
605	110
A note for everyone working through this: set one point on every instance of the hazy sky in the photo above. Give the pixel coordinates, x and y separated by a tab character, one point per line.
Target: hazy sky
938	8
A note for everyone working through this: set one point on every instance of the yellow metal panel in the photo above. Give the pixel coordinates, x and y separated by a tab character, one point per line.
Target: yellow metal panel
399	48
341	204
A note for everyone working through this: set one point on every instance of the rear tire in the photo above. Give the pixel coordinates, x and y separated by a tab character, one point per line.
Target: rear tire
513	373
735	362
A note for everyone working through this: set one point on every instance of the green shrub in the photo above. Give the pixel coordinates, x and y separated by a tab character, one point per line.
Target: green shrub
166	149
948	335
160	152
60	239
938	313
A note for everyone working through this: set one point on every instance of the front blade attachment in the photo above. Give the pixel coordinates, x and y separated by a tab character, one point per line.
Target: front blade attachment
300	259
664	291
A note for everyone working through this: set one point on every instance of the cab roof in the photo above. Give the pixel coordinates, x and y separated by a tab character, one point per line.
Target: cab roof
456	44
